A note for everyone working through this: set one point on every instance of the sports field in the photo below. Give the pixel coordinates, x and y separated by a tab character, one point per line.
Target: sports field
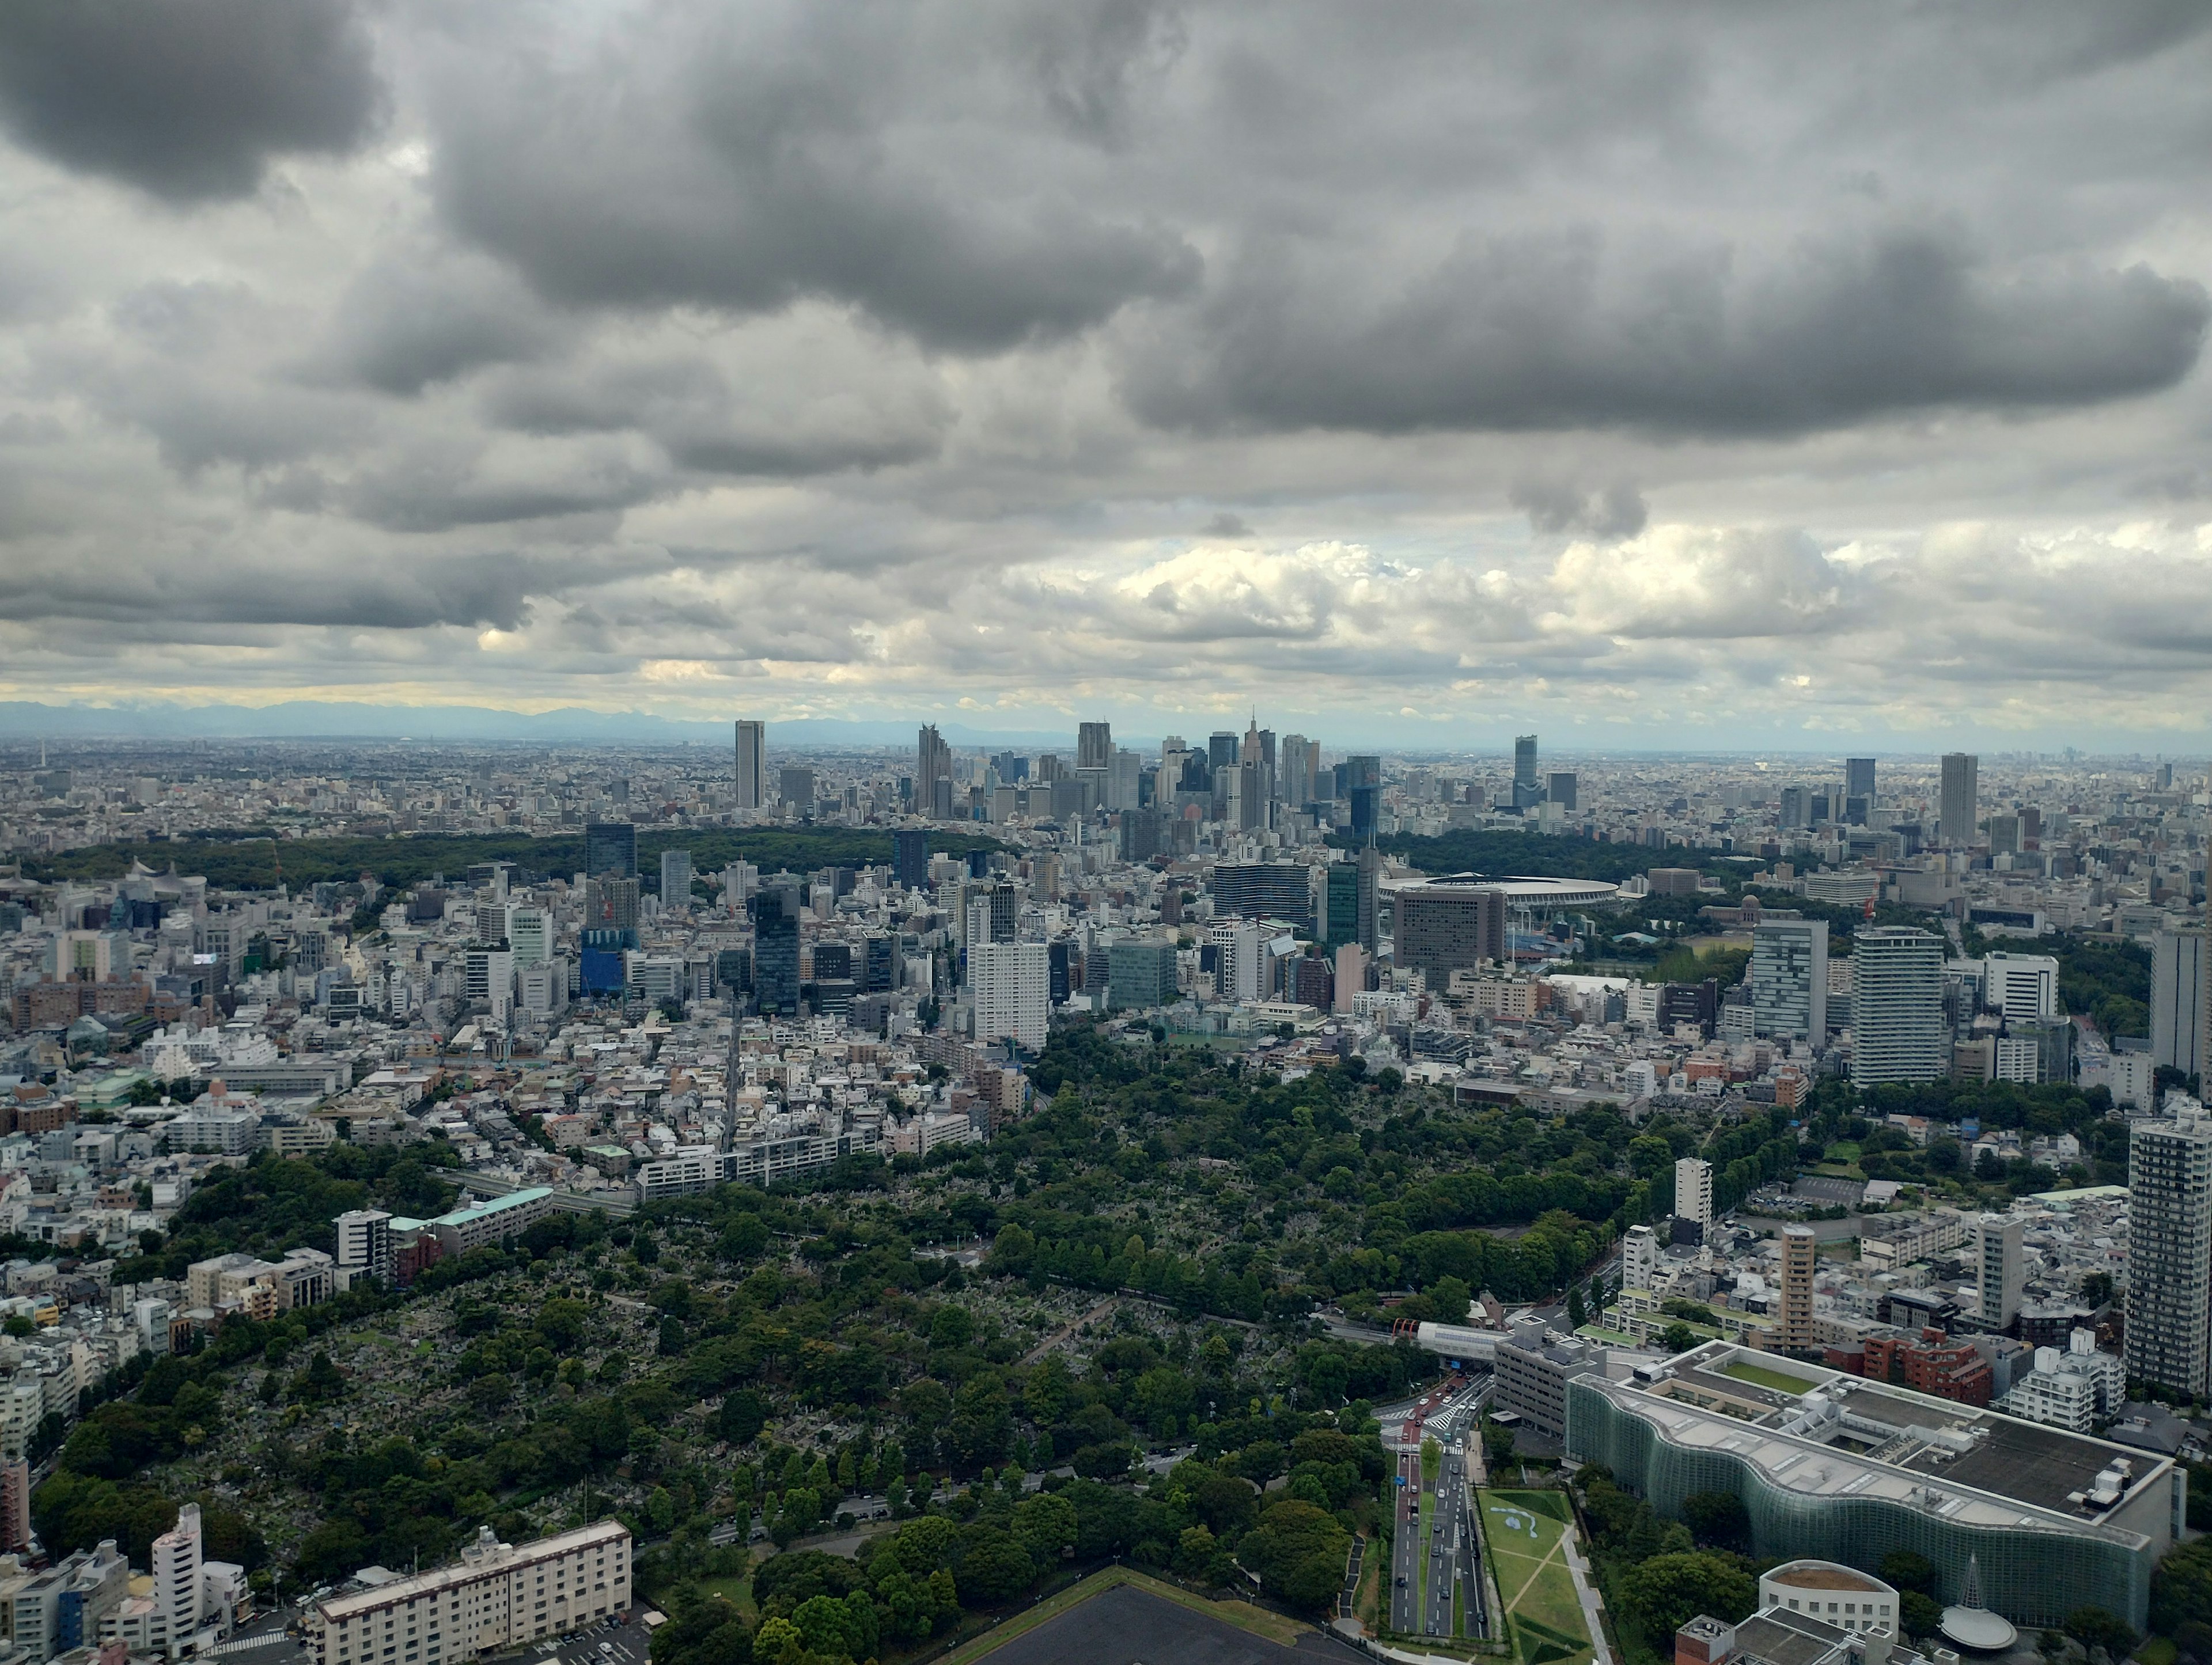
1524	1532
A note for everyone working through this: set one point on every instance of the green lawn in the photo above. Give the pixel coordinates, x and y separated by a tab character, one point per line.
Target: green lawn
1759	1376
1522	1531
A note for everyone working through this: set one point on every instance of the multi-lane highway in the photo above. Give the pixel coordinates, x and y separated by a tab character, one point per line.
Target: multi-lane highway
1427	1567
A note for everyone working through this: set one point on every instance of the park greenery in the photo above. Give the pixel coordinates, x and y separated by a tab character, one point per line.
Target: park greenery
1096	1337
256	859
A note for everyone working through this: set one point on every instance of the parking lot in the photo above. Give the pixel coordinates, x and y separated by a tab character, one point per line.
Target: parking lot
603	1644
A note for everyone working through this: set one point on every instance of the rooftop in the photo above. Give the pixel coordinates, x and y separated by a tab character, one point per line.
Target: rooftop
1849	1438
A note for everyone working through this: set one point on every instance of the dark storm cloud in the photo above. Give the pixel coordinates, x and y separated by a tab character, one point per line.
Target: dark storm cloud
746	164
1573	330
186	98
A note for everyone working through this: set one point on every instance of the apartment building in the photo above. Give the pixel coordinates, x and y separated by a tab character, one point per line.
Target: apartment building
498	1596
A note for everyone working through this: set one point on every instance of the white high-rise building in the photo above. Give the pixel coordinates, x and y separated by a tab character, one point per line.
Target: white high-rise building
1898	1031
542	989
752	764
529	934
2177	1000
1789	980
2023	987
1694	1190
176	1568
2003	1269
1639	1257
1010	985
2169	1314
489	976
1236	944
364	1245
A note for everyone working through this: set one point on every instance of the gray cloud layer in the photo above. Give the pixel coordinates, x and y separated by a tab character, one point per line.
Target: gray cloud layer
1625	362
185	99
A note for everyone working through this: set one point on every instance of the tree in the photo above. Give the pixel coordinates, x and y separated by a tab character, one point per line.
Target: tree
1665	1592
2095	1627
1298	1551
995	1568
708	1632
1718	1520
1907	1569
743	1415
1678	1337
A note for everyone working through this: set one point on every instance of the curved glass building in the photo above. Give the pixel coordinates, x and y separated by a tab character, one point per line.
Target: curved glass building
1848	1470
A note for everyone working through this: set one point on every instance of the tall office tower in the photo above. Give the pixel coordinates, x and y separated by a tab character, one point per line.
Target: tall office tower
1125	776
1094	746
775	947
1370	862
933	774
1958	808
1858	778
610	847
1528	791
1639	1257
1793	808
1250	798
2004	1269
1898	1031
795	787
1337	918
1789	980
910	857
1559	788
1366	811
1294	772
1800	1255
2169	1253
1351	975
1011	986
752	764
1442	927
1364	771
2177	1000
1221	751
675	878
1694	1190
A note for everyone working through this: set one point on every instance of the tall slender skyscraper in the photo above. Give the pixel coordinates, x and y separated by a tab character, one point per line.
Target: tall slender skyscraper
2169	1253
1959	809
752	767
1094	746
933	774
1527	791
1859	777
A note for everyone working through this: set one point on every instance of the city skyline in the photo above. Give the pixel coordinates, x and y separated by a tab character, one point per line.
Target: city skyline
1120	362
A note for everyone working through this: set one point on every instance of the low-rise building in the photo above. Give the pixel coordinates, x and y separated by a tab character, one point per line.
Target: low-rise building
497	1597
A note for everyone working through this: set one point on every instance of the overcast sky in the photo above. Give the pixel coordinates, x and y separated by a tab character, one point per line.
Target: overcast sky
1647	375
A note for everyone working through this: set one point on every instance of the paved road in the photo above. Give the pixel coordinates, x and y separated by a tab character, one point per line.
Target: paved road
1406	1547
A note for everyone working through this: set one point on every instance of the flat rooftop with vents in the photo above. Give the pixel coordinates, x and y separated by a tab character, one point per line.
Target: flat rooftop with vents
1847	1470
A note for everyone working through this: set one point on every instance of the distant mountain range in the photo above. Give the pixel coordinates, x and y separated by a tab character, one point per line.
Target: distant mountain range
330	720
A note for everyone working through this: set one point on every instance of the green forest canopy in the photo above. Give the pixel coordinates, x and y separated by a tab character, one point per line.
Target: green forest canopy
249	862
